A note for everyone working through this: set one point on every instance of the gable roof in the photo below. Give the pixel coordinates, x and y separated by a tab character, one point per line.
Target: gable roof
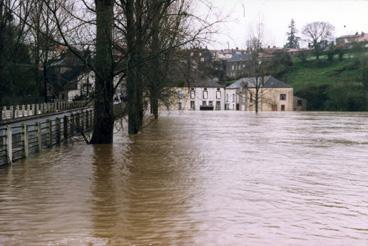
205	83
269	82
275	83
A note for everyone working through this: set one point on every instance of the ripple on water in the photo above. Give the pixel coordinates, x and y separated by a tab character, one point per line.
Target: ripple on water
200	178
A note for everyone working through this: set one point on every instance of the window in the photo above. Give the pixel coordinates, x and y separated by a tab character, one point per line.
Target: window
180	95
210	103
204	103
283	97
227	97
218	94
218	105
192	93
233	98
192	105
180	106
205	93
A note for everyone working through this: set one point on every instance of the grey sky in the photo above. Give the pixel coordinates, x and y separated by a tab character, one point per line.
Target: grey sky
348	16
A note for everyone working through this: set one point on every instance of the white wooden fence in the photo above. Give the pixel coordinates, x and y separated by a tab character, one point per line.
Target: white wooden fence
20	140
21	111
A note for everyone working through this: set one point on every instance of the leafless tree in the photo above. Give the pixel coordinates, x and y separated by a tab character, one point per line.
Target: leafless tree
44	37
254	47
318	34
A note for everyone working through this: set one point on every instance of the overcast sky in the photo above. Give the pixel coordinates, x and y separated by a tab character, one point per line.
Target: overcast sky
348	17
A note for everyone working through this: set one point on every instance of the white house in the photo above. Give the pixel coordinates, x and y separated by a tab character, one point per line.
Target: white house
206	94
84	86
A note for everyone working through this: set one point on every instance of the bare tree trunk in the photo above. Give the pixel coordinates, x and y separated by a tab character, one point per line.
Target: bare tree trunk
257	100
104	116
2	37
132	70
156	64
140	47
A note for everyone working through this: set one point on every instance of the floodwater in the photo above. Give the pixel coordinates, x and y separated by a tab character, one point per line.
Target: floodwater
203	178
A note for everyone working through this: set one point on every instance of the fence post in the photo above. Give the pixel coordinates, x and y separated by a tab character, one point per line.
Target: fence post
23	110
9	144
82	121
39	136
78	123
49	124
92	118
65	127
87	120
72	124
25	138
58	130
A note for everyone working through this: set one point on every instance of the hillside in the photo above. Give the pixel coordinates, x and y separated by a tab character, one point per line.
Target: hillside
335	85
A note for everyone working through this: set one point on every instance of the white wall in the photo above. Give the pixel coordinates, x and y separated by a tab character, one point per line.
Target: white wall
197	95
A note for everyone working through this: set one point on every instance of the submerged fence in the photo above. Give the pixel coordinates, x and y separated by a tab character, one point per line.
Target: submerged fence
19	141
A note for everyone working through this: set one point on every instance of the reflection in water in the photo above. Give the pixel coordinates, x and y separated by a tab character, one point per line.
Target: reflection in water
211	178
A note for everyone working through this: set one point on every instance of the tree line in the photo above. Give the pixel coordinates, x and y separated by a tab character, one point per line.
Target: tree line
134	42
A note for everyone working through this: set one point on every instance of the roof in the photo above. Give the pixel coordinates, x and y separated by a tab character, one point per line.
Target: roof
270	82
206	83
239	58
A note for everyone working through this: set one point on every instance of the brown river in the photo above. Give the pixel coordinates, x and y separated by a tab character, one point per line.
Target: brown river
203	178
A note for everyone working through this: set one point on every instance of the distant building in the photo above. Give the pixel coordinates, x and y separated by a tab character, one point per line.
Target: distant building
237	66
204	94
208	94
300	104
346	41
274	95
70	79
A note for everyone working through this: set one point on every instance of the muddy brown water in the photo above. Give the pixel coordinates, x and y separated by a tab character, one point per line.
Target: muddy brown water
201	178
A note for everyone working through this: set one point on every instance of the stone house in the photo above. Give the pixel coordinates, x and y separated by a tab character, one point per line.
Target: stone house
274	95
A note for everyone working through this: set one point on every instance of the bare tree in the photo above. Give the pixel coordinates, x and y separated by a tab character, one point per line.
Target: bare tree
44	38
13	47
318	34
254	47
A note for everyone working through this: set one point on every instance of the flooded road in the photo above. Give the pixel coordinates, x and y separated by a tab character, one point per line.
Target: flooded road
203	178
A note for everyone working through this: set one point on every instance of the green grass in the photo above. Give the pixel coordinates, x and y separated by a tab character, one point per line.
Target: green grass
335	85
314	73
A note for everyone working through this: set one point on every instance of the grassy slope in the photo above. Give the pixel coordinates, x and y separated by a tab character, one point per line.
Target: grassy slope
328	86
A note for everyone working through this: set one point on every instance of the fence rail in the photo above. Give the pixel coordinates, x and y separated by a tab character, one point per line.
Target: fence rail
22	111
18	142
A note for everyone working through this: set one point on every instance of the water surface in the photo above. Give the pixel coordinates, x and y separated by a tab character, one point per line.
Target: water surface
201	178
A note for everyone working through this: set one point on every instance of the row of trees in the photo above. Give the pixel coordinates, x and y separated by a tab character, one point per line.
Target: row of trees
132	41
